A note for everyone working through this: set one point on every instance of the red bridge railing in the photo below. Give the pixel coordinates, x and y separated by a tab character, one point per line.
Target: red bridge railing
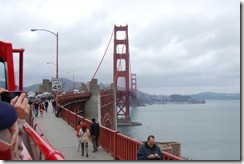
38	147
47	150
122	147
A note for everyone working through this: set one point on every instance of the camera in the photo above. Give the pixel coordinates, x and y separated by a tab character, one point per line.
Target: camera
8	96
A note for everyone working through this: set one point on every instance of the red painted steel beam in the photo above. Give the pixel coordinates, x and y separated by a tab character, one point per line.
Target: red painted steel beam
21	63
122	73
45	148
6	53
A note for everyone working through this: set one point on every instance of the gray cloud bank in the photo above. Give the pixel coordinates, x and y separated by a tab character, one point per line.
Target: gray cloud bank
175	46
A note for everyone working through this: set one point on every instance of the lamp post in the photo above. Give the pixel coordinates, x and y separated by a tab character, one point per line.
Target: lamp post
73	80
56	34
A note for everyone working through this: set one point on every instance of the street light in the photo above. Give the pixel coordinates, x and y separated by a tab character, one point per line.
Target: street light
56	47
73	80
33	30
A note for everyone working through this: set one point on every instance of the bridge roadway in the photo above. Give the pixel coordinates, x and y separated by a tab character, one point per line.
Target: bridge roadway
63	138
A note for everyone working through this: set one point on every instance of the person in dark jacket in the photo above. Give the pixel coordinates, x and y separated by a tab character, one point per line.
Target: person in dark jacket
95	130
46	105
36	106
149	150
54	105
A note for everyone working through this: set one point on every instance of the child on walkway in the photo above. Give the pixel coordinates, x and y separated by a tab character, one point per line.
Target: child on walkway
84	135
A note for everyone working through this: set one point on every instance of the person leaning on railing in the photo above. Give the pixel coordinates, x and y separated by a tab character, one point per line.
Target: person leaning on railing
149	150
12	119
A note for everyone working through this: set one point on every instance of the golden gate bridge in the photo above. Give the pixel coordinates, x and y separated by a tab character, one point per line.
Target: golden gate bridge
104	105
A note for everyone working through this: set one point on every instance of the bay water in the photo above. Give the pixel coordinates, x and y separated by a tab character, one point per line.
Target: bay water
209	131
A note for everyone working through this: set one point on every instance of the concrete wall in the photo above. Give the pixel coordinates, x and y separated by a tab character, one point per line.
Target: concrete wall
93	105
170	147
83	87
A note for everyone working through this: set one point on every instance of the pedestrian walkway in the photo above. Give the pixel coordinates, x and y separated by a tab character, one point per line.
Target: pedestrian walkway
63	138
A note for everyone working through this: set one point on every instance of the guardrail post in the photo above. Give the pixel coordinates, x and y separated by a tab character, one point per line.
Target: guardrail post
76	123
68	116
115	145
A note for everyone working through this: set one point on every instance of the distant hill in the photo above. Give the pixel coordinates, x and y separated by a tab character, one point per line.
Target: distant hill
216	96
67	86
33	88
146	98
184	99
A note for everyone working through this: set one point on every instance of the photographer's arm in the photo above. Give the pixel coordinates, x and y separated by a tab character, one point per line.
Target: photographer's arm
22	107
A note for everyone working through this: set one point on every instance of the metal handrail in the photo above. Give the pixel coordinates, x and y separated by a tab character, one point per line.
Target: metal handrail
166	156
47	150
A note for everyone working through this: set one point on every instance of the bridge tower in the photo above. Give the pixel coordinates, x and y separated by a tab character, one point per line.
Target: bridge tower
122	75
133	90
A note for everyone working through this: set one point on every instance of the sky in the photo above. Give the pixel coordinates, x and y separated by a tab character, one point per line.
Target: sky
175	46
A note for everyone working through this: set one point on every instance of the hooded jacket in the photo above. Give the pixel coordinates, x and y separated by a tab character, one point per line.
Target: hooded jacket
84	134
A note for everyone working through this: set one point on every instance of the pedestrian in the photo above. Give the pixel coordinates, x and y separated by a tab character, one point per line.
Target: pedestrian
54	105
46	105
84	135
36	107
149	150
58	112
95	131
41	108
49	98
79	126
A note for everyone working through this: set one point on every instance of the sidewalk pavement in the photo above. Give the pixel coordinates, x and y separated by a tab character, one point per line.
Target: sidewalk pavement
63	138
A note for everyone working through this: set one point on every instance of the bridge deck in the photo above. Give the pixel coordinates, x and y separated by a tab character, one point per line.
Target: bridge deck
63	138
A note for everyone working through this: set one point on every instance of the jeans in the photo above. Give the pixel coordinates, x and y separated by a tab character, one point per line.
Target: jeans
54	108
94	142
82	148
36	111
79	145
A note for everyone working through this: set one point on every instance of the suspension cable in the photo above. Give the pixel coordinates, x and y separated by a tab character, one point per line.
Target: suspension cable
103	54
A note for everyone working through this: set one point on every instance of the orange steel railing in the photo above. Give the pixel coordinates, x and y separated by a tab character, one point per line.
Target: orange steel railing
107	139
47	150
33	123
73	96
40	146
128	147
121	146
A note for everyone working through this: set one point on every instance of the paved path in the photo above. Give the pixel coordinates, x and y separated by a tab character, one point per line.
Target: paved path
63	138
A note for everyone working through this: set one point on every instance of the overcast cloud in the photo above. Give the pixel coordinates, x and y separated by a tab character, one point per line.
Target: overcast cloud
176	46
